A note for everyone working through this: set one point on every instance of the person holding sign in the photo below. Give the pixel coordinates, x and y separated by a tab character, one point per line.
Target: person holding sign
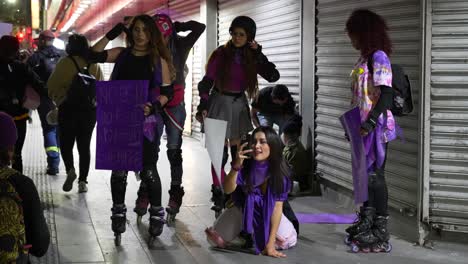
174	113
231	73
146	58
259	183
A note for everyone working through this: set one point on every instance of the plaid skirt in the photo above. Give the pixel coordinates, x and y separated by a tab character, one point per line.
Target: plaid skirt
231	108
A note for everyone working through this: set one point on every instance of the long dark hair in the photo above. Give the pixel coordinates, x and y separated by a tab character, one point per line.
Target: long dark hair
371	32
223	76
278	168
5	156
156	44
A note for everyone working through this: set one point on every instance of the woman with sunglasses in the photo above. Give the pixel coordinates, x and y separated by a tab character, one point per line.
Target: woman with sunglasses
231	77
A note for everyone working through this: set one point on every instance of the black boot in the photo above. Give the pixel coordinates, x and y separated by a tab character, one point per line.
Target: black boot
363	224
157	221
119	219
380	231
175	200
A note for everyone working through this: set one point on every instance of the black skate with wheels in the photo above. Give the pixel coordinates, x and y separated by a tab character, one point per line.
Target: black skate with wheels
218	200
381	232
157	222
175	201
119	222
363	224
374	240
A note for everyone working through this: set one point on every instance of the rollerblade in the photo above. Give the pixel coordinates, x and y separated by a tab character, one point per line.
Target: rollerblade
141	203
119	222
175	201
157	222
218	199
381	232
363	224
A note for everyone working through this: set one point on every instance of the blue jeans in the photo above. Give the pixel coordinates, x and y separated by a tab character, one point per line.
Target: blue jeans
174	119
271	119
49	132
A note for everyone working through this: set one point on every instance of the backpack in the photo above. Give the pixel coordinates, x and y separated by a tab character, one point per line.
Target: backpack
12	229
82	92
402	98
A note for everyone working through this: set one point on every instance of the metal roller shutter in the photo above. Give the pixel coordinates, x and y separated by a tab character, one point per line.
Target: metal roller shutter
278	31
335	59
449	116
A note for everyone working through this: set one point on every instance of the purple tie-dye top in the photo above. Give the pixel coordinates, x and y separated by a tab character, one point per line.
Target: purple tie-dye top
366	89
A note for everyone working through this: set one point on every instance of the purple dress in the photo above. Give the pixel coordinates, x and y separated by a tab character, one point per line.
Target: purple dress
257	207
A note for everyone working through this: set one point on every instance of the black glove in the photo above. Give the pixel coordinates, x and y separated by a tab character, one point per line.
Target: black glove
116	31
177	26
157	107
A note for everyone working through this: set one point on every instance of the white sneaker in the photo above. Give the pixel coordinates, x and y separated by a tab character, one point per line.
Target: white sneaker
68	184
82	187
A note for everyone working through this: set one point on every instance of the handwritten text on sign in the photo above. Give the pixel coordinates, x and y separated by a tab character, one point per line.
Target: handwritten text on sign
120	124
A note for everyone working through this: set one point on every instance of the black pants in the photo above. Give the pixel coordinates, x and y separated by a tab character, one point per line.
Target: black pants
76	125
149	175
377	188
17	159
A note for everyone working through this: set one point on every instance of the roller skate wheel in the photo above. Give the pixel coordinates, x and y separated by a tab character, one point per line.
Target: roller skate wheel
118	239
366	250
388	247
347	241
354	248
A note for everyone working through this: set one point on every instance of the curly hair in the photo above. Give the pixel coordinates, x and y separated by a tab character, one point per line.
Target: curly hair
370	31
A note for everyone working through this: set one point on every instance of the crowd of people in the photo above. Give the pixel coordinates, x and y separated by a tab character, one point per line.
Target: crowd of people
250	201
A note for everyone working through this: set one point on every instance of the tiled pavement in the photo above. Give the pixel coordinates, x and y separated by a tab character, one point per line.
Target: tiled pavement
81	232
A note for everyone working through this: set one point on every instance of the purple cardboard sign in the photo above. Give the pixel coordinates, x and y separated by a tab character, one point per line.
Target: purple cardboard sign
119	115
351	122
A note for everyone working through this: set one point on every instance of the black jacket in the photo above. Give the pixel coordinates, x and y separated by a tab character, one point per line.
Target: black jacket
43	61
14	78
183	45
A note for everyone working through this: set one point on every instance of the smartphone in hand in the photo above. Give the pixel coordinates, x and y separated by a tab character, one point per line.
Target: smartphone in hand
247	139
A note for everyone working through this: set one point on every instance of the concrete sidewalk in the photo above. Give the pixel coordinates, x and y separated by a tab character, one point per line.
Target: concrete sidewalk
81	227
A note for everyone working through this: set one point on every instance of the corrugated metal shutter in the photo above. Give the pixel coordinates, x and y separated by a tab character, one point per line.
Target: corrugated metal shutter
449	116
278	31
335	59
185	10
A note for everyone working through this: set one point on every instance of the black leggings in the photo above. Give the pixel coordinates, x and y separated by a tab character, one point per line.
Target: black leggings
377	188
149	175
76	125
18	158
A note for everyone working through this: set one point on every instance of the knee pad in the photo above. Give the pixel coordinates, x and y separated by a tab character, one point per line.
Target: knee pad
174	156
225	155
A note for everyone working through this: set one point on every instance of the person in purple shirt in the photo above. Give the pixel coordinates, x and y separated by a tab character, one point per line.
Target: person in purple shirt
231	74
372	92
258	190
